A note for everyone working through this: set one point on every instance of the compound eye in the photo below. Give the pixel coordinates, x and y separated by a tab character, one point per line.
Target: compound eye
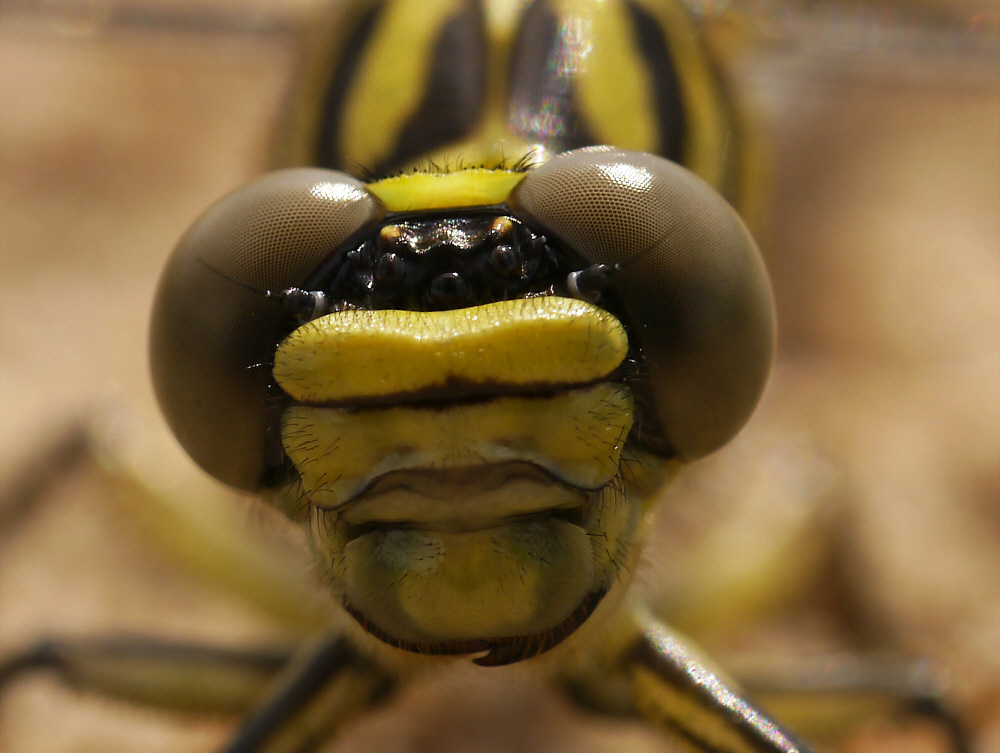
687	273
215	326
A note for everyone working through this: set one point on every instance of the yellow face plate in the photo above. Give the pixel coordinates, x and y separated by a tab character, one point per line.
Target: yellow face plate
576	436
449	520
529	342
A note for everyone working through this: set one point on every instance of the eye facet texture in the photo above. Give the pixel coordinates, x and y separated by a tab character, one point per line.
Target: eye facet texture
693	285
214	328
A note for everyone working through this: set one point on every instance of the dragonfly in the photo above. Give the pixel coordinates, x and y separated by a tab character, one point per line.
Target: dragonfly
418	210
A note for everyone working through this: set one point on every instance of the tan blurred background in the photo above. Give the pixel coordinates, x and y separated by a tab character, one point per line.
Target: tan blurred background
121	121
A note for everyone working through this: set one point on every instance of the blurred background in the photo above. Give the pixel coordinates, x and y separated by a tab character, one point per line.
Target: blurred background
874	461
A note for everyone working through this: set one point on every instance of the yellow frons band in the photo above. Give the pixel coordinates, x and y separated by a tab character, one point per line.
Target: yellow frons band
473	187
527	342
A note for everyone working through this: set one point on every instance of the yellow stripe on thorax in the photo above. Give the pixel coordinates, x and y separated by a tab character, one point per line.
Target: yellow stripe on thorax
391	74
711	135
612	80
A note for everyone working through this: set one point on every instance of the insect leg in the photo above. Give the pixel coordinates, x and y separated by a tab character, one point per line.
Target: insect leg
153	671
328	684
215	539
22	491
828	694
645	669
675	689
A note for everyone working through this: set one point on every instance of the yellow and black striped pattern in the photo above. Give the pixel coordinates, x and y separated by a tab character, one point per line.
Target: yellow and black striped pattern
399	83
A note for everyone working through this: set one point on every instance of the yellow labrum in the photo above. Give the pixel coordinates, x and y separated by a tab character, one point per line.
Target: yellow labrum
533	342
576	436
472	187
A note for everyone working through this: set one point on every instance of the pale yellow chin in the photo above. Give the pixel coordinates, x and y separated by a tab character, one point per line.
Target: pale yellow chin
414	584
433	587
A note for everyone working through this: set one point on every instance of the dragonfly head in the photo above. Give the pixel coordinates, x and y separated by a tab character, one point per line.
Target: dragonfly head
469	384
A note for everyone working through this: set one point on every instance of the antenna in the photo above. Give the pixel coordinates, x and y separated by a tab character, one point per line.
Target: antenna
588	283
304	305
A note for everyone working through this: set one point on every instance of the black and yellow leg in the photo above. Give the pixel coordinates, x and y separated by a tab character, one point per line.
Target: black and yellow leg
651	672
155	672
676	690
826	695
324	687
292	699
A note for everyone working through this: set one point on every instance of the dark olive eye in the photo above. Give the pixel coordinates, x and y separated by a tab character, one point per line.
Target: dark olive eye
214	326
390	269
686	271
505	261
448	290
